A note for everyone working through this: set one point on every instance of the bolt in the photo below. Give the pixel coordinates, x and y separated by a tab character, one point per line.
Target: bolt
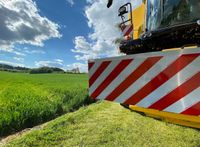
198	22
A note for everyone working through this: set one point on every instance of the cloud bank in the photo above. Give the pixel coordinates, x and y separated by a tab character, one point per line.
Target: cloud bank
103	22
21	23
55	63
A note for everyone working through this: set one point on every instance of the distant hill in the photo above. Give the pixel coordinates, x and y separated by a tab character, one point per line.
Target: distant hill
46	70
6	67
10	68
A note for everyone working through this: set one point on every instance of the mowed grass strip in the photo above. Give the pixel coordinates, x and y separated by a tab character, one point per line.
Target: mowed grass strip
108	124
27	100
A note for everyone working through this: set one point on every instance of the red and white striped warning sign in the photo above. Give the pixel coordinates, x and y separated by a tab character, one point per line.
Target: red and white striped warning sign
165	81
127	30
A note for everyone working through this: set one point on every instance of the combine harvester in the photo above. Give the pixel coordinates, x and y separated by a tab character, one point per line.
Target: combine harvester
160	74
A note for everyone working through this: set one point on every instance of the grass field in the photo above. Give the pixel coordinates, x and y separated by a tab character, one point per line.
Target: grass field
27	100
108	124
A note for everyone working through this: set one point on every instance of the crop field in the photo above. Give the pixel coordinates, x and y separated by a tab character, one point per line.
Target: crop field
30	100
27	100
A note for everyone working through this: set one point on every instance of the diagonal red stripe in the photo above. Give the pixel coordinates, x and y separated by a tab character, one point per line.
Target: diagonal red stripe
177	93
118	69
136	74
128	31
90	64
161	78
194	110
98	72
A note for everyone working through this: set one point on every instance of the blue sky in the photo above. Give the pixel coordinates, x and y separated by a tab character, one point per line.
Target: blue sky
61	33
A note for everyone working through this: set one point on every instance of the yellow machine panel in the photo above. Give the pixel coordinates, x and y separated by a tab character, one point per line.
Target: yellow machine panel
185	120
138	20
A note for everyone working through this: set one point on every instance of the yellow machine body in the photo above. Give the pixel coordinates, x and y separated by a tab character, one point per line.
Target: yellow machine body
138	20
179	119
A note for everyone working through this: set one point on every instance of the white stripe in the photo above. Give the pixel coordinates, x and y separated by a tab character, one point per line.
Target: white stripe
185	103
104	75
121	77
94	68
177	80
147	77
143	55
126	29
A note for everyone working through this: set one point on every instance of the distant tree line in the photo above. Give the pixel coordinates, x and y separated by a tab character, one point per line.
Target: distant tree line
5	67
41	70
46	70
10	68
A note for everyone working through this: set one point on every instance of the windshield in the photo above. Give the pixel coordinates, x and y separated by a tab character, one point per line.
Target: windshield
164	13
154	14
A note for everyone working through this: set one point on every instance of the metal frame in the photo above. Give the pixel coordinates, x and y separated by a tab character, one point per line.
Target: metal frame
122	17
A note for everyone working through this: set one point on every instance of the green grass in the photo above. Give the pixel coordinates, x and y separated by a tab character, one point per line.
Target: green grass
27	100
108	124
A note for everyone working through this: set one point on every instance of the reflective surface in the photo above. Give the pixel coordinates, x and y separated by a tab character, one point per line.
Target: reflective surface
164	81
166	13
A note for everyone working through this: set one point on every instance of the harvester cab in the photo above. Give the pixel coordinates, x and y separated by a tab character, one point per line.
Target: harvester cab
161	84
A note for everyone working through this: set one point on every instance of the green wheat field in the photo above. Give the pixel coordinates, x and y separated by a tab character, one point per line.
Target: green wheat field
27	100
59	105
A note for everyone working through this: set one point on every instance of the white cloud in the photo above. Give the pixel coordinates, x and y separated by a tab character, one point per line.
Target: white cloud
19	59
82	67
11	63
21	23
17	53
71	2
55	63
83	49
26	50
103	22
59	61
12	51
81	45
